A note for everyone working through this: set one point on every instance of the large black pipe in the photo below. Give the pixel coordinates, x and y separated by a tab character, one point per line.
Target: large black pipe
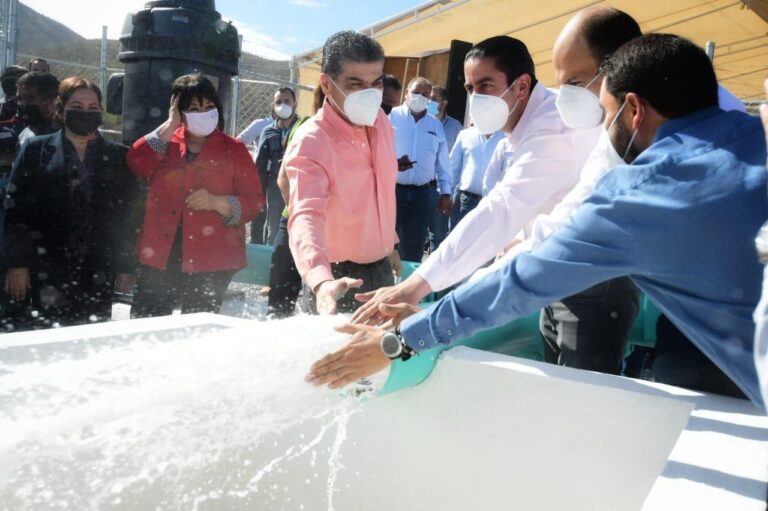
165	40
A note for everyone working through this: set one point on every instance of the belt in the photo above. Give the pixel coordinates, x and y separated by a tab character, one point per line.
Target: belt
431	183
352	264
470	194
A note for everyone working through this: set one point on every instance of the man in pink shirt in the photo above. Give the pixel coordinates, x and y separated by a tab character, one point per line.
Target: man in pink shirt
342	171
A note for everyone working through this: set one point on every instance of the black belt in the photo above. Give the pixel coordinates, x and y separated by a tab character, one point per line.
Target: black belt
470	194
347	265
431	183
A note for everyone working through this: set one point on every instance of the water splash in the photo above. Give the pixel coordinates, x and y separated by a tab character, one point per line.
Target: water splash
217	420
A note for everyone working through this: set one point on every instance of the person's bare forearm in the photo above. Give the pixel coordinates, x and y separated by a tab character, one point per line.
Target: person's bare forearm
282	184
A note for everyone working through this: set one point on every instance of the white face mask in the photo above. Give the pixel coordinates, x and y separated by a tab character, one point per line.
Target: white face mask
578	107
360	107
490	113
202	124
611	151
284	111
417	103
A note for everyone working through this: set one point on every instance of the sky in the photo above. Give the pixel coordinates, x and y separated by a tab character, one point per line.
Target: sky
275	29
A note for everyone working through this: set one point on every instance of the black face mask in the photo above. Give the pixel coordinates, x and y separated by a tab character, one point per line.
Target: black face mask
387	108
31	115
83	123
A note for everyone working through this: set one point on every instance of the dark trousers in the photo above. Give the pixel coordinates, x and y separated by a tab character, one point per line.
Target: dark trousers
284	278
373	275
158	292
84	297
679	362
590	330
438	224
414	207
467	202
257	228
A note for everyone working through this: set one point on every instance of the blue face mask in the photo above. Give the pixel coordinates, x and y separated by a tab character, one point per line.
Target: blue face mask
433	108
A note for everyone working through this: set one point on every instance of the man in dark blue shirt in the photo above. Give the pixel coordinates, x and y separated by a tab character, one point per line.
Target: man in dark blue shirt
680	221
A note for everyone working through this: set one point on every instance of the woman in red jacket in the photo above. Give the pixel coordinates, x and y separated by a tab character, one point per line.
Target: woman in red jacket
203	188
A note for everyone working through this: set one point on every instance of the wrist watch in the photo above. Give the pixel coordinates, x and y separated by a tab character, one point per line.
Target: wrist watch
394	347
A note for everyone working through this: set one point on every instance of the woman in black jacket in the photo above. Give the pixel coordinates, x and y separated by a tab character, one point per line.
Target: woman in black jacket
69	232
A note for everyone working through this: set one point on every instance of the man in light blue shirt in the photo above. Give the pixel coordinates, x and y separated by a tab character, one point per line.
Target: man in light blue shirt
469	160
423	165
679	221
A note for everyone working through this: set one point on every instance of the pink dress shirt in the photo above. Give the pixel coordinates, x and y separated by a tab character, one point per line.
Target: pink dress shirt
342	203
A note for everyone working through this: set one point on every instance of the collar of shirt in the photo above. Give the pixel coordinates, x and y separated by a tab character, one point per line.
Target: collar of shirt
540	104
213	142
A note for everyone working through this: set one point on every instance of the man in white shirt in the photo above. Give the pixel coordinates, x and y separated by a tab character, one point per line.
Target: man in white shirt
423	166
469	161
761	312
504	95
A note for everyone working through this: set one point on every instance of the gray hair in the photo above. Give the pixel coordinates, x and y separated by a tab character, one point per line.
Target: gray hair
349	46
421	80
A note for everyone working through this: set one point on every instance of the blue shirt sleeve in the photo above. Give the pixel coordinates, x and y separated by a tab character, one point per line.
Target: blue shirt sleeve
594	247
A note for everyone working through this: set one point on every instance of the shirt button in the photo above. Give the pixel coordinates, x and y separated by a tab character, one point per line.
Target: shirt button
421	342
449	332
191	213
191	260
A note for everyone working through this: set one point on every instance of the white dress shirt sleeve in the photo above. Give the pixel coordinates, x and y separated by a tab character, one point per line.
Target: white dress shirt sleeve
495	168
543	169
456	160
443	172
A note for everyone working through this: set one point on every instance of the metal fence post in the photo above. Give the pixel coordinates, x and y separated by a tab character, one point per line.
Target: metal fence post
13	31
4	27
235	109
103	63
710	49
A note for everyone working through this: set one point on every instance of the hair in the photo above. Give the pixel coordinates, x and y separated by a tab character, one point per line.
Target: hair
34	60
607	30
419	79
349	46
441	91
392	82
510	56
674	75
67	88
283	90
45	84
9	77
189	87
318	97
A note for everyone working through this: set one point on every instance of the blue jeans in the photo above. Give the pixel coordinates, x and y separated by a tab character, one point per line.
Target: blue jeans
414	204
467	202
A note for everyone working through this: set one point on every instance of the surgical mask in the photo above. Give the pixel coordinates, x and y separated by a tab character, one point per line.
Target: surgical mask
608	154
417	103
31	115
361	107
490	113
631	139
578	107
433	108
284	111
82	123
202	124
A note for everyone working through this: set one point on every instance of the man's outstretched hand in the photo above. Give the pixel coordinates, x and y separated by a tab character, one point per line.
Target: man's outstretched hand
331	290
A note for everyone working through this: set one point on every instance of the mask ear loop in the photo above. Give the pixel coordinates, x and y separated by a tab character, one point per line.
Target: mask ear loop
592	81
631	140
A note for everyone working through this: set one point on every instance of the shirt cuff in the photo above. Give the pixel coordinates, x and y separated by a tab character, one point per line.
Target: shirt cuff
236	211
317	275
416	331
433	274
156	143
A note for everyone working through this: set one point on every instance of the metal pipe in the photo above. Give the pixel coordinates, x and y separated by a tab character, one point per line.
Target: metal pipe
103	61
5	6
235	106
710	49
13	32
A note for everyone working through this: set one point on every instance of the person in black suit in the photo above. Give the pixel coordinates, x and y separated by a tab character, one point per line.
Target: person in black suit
71	219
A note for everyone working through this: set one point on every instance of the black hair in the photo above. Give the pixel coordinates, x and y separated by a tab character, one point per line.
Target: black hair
45	84
510	56
349	46
674	75
36	59
442	91
283	90
392	82
9	77
196	85
607	30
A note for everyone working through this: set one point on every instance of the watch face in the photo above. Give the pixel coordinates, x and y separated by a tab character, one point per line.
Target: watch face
390	345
